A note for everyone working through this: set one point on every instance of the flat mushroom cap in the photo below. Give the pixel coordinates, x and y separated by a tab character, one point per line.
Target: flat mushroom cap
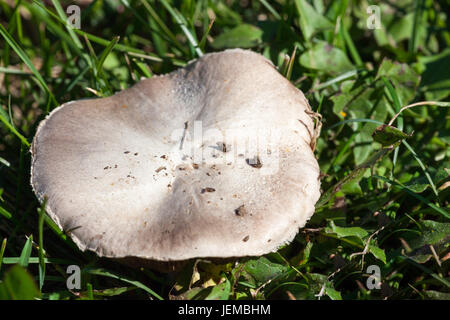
212	160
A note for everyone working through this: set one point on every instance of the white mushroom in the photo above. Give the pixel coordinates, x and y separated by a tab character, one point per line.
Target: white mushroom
212	160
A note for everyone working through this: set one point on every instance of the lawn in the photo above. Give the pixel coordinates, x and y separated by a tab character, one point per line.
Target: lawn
381	229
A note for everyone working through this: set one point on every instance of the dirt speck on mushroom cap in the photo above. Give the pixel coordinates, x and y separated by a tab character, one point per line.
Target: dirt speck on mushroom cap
137	209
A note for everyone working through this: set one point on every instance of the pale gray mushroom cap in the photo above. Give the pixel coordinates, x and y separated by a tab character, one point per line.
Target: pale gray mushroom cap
123	173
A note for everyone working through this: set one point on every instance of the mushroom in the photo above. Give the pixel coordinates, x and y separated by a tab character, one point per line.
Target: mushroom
212	160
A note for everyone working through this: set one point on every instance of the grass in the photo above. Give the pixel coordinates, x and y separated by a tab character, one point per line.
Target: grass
385	195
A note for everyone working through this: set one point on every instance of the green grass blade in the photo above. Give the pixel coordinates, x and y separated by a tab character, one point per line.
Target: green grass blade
26	252
353	120
443	212
5	213
341	77
24	57
16	22
90	291
355	174
20	180
142	68
2	252
351	46
182	23
121	47
392	94
14	71
407	145
105	273
96	39
43	14
164	29
54	227
63	17
34	260
270	9
427	271
5	162
422	166
75	80
5	119
41	214
202	42
291	64
412	45
106	52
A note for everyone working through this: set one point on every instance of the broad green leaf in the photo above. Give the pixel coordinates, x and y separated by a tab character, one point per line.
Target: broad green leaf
398	27
343	232
404	79
433	233
242	36
348	92
307	253
421	257
378	253
401	28
214	269
316	282
326	58
310	20
300	291
352	188
359	101
18	285
196	293
263	270
220	292
420	184
388	135
224	14
332	293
